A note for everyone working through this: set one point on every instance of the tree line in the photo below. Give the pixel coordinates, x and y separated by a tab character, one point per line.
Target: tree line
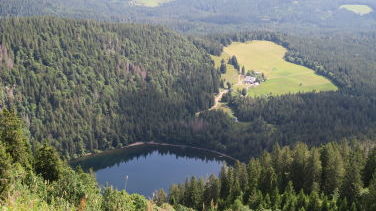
329	177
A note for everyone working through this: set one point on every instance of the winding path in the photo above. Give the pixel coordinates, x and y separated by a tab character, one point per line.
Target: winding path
218	98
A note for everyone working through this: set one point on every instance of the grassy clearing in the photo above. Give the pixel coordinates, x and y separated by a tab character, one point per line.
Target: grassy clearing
357	8
151	3
282	77
231	75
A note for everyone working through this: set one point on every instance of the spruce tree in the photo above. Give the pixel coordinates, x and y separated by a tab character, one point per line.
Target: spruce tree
370	167
5	167
352	182
47	163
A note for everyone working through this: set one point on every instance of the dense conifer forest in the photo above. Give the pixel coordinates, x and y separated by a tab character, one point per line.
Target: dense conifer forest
330	177
314	118
70	87
87	86
199	16
37	179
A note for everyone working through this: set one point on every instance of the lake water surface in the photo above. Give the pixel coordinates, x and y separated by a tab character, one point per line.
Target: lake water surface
144	169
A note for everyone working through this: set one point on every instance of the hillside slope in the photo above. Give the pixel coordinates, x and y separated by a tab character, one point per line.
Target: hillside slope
86	85
205	16
39	180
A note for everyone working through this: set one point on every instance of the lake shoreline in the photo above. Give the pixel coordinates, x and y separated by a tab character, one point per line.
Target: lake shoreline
151	143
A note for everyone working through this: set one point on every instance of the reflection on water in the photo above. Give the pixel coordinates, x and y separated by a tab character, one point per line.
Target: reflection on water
144	169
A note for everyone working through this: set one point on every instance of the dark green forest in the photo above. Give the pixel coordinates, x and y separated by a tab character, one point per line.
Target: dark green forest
37	179
89	86
86	86
329	177
72	87
314	118
208	16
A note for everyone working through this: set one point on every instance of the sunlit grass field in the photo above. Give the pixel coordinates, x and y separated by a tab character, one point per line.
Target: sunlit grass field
282	77
357	8
232	74
151	3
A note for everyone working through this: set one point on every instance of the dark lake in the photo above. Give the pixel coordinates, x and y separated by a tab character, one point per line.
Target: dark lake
149	168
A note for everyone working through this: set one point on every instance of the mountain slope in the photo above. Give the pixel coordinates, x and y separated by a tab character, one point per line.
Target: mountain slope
205	16
86	85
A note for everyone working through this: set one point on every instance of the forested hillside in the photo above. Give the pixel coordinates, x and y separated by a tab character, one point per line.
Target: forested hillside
37	179
86	85
73	87
348	60
207	16
329	177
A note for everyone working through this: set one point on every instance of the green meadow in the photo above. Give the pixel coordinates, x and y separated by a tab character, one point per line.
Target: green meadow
151	3
282	77
232	74
357	8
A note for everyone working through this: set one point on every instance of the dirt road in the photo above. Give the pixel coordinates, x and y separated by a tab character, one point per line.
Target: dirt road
218	98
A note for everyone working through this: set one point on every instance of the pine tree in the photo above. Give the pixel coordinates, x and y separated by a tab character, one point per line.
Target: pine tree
302	200
160	197
47	163
342	204
225	182
276	199
212	191
255	199
267	201
371	198
298	166
175	194
244	92
242	175
234	61
268	175
353	207
282	159
313	172
352	182
5	166
314	202
243	70
370	167
13	136
332	169
223	67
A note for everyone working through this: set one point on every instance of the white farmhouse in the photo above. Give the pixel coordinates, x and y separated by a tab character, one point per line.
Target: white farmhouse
249	80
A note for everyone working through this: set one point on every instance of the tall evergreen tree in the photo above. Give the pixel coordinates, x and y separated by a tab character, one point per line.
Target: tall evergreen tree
47	163
371	198
5	167
298	166
352	182
332	169
212	191
223	67
14	140
313	172
370	167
